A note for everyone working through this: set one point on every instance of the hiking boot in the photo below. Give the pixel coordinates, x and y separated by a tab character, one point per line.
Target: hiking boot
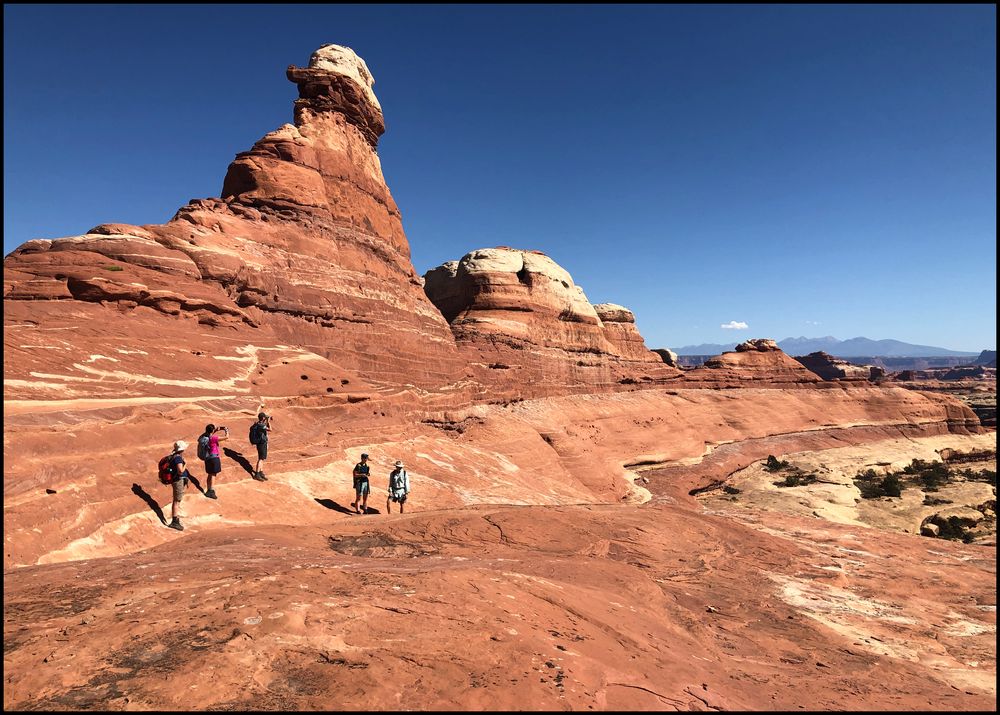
211	494
259	476
176	524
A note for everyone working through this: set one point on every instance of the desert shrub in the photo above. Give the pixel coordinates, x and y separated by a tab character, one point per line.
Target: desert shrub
796	479
730	490
872	485
984	475
953	528
935	501
773	464
891	486
112	268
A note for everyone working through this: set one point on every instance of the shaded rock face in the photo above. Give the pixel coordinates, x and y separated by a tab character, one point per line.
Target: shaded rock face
831	368
668	356
521	313
987	358
305	247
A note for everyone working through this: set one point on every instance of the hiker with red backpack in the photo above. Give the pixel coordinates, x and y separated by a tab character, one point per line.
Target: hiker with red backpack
208	451
173	471
258	437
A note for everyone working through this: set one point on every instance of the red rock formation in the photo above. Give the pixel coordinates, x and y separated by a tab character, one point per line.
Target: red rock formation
526	321
305	248
830	368
758	362
668	356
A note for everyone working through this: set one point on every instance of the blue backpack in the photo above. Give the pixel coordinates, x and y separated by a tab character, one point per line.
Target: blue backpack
204	448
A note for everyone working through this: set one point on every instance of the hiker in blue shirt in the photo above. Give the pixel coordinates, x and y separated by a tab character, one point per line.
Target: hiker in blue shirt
361	485
259	431
180	473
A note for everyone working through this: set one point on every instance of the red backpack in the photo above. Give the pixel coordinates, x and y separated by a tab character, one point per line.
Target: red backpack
163	470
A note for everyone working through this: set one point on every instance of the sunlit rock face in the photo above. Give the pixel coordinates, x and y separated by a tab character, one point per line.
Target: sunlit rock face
754	362
532	326
305	247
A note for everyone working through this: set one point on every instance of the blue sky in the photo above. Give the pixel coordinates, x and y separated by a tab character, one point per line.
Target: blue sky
806	170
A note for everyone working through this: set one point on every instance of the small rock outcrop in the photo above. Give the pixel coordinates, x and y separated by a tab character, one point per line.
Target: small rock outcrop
668	356
829	367
987	358
754	362
761	345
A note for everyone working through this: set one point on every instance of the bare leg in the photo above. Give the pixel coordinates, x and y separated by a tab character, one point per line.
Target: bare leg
211	478
401	505
388	509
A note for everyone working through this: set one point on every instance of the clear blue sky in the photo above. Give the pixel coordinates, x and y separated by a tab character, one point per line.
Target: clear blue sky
806	170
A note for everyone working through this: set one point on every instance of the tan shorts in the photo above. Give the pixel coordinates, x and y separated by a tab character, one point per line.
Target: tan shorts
179	486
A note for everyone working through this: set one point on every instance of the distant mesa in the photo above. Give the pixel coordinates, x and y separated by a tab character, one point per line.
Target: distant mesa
853	348
987	358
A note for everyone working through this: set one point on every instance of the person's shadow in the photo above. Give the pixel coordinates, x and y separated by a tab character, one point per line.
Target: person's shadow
197	484
239	459
331	504
142	494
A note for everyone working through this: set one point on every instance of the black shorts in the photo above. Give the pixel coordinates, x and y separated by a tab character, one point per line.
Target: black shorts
262	450
213	465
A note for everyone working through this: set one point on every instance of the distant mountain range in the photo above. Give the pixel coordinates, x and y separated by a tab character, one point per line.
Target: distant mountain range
855	347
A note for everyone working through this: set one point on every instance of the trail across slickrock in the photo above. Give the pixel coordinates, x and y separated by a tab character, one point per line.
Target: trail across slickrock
511	607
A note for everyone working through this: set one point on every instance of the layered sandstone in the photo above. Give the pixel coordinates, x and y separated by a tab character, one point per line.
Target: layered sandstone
527	323
830	368
304	248
757	362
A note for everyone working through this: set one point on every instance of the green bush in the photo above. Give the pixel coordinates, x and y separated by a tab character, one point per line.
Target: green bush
796	479
952	528
872	485
112	268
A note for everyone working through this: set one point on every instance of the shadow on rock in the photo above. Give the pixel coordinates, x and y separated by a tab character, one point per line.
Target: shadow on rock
331	504
239	459
194	480
144	495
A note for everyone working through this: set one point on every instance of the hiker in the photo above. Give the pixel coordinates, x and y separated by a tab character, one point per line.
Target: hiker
258	437
180	474
208	450
361	485
399	487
